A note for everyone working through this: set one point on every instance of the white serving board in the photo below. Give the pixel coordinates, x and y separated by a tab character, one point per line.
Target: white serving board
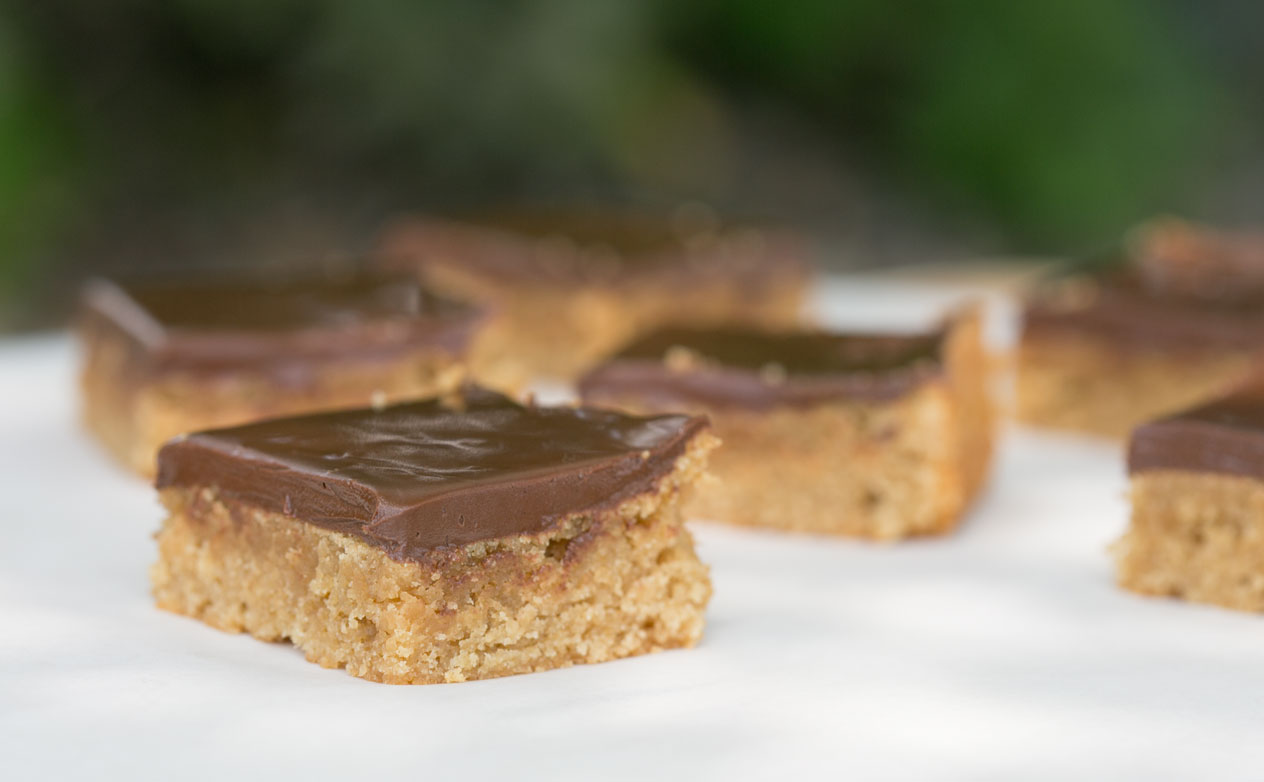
1002	652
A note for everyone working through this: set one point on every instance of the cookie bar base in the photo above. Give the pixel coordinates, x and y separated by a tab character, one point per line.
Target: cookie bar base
1080	383
883	472
1197	536
595	587
134	414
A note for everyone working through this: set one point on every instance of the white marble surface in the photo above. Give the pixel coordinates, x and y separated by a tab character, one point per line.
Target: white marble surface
1003	652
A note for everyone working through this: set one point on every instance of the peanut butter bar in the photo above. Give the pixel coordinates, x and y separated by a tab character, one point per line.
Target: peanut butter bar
162	358
439	541
879	436
1180	322
1197	528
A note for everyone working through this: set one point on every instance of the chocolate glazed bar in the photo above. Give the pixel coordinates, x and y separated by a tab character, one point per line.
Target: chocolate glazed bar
869	435
1197	527
161	358
572	287
1181	321
444	540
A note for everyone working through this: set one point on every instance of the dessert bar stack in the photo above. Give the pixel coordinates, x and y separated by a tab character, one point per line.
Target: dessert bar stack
335	475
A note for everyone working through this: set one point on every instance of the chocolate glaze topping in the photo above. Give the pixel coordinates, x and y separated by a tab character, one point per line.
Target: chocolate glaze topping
1177	287
417	477
1225	436
597	248
226	324
1117	305
753	369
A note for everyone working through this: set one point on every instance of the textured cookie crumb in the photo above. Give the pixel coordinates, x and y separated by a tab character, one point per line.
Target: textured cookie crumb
1195	536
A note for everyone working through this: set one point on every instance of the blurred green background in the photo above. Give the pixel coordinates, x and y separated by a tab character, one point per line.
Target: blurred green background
139	135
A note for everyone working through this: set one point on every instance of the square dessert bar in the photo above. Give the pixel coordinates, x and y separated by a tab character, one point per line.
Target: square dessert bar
572	287
162	358
866	435
444	540
1197	528
1180	323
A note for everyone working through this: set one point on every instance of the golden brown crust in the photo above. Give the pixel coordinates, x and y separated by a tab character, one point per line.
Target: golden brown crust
1197	536
1080	383
590	589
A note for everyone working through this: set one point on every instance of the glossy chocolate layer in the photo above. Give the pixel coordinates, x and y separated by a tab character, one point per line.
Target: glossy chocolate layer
417	477
1225	436
595	249
1118	307
753	369
227	324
